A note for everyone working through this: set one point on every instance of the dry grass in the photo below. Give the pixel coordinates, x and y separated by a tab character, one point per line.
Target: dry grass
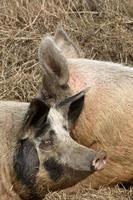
104	31
101	194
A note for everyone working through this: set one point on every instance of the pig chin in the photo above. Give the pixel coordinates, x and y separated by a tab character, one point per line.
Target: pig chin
67	179
74	176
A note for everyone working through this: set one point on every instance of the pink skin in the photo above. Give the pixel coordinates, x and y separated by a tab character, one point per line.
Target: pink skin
100	162
78	80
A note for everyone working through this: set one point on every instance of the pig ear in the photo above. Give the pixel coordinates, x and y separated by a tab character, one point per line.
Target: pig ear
75	105
37	110
68	48
53	61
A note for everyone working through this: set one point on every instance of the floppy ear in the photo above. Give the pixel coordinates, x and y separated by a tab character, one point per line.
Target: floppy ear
74	105
68	48
37	110
53	61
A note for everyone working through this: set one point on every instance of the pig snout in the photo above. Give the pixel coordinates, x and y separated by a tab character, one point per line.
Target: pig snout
81	158
99	161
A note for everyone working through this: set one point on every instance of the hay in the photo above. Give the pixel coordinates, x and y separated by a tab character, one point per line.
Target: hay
102	28
91	194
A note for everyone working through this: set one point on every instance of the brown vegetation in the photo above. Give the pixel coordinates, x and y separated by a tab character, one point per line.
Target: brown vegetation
103	29
104	34
101	194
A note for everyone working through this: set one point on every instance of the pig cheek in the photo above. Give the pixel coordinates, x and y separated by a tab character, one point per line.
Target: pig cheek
26	162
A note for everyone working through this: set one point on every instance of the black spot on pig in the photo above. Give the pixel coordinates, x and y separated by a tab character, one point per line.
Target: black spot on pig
26	162
54	169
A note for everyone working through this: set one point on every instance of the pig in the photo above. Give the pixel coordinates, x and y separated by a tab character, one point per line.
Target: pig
37	152
106	121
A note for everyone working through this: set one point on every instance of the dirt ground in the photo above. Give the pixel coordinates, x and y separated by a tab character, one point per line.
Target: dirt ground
103	29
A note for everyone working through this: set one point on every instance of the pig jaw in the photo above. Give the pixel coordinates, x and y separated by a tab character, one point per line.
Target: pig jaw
65	176
54	175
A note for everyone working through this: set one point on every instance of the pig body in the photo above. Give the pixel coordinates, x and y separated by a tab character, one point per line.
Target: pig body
107	119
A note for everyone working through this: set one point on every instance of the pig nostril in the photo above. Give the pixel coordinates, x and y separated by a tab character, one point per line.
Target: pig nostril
97	160
105	158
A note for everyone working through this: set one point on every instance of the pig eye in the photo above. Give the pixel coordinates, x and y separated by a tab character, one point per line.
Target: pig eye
64	87
45	144
49	141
